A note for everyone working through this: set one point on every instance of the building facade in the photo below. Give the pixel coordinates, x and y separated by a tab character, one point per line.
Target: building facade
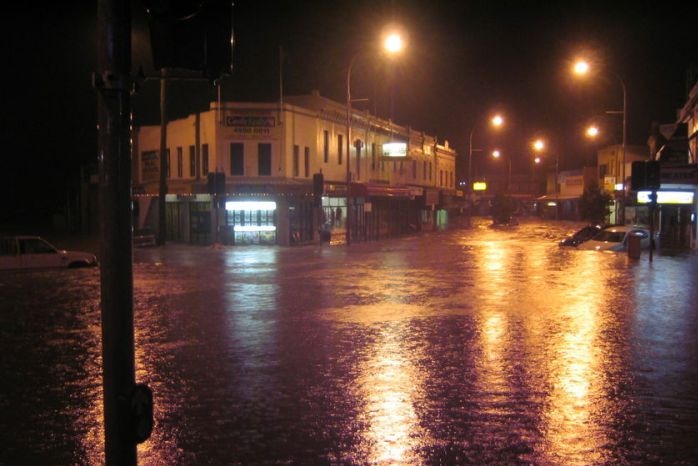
675	147
270	173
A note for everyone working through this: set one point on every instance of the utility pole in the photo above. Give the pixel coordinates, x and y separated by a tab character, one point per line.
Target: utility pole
164	162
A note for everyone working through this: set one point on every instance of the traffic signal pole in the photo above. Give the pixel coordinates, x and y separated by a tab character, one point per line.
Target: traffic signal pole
127	407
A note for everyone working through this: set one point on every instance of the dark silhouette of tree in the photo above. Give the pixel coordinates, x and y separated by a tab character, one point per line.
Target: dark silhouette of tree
594	204
503	208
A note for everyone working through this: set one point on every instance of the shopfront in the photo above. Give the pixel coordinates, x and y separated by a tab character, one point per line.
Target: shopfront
251	222
675	217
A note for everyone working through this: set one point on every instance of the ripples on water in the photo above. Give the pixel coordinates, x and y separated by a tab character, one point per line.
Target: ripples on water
472	346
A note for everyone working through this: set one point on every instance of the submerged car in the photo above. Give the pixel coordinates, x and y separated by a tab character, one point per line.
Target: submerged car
143	237
581	236
32	252
615	238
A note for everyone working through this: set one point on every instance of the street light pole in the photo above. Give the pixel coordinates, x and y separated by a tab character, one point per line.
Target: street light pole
470	159
392	44
348	131
625	113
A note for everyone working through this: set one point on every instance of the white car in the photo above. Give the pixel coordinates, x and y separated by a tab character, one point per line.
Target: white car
615	238
30	252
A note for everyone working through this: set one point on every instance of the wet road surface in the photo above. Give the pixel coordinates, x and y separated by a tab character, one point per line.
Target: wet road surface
467	346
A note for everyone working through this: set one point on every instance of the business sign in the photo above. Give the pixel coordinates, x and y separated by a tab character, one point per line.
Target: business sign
250	126
395	149
666	197
479	186
252	121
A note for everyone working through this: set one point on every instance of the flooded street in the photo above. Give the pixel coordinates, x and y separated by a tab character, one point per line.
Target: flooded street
466	346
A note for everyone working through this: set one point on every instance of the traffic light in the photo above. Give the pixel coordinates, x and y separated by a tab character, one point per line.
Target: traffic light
318	188
638	176
646	175
216	183
652	175
191	34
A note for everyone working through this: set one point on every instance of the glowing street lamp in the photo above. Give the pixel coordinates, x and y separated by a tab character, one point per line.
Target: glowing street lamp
393	43
496	121
582	67
592	131
498	154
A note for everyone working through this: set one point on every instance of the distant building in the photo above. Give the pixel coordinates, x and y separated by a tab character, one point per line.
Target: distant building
609	161
243	173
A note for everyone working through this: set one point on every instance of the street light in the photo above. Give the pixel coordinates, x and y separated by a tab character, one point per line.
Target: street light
497	154
393	43
496	121
582	67
592	131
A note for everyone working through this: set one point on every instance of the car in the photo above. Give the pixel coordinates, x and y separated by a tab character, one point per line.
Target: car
30	252
581	236
143	237
615	238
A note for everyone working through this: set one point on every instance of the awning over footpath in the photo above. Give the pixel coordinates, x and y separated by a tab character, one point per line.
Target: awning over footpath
553	197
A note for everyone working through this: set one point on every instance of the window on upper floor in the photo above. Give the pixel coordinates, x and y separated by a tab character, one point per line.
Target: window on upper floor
204	159
296	160
306	162
192	161
237	159
180	163
340	148
326	146
264	159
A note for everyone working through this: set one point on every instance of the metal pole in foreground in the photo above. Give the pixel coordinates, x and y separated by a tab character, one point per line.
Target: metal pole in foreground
114	118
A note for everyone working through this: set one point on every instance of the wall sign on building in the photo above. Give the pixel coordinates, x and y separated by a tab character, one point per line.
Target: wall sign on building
250	125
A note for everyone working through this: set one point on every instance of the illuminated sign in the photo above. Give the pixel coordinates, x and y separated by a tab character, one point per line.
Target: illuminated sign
254	228
551	204
250	205
395	149
479	186
666	197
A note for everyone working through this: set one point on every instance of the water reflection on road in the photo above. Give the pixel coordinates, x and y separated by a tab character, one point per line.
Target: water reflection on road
468	346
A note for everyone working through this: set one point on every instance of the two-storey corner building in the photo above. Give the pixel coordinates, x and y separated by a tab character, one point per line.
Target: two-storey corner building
249	173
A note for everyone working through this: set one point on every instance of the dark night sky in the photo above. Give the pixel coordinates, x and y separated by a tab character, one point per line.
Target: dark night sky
463	59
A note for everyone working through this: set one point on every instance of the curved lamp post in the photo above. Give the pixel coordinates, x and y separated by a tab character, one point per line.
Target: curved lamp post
393	43
496	121
497	154
581	68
